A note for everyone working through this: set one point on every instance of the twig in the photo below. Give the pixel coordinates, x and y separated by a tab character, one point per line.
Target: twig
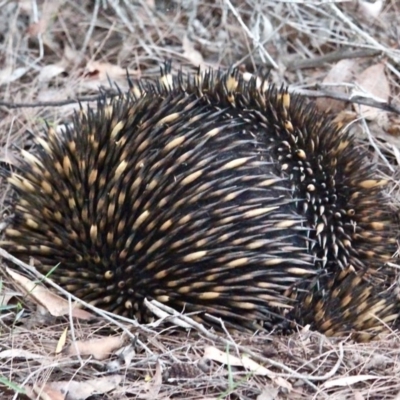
356	99
35	19
91	26
362	33
375	146
332	57
292	373
251	36
104	314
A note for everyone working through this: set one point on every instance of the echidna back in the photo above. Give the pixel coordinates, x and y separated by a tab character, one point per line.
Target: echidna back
207	194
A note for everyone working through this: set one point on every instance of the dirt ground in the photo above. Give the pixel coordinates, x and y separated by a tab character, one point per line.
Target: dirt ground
343	55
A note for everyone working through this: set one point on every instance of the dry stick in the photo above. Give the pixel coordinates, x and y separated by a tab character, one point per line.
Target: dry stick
334	56
220	339
372	142
72	331
35	18
91	27
356	99
199	327
56	364
250	35
60	103
362	33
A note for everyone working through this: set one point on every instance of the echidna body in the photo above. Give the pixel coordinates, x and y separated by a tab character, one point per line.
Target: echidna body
210	194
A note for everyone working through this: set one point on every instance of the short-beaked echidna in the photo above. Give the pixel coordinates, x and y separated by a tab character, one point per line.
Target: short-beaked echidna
210	194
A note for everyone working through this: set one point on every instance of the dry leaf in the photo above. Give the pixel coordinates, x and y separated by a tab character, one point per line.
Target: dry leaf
154	385
55	305
20	353
370	10
341	72
37	27
48	72
268	393
127	353
98	348
61	341
98	74
8	74
373	81
396	153
47	393
47	13
190	53
6	296
55	94
215	354
86	389
71	56
358	395
348	380
261	27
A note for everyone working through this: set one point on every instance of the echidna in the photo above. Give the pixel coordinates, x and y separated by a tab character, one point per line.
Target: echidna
210	194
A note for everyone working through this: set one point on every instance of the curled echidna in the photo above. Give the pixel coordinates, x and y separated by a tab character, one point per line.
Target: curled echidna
210	194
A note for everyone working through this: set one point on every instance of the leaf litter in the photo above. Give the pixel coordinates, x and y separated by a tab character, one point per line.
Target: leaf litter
344	54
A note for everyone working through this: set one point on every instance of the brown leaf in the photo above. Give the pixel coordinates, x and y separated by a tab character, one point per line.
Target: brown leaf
98	348
54	304
99	73
373	81
269	393
190	53
61	342
341	72
37	27
153	387
86	389
348	380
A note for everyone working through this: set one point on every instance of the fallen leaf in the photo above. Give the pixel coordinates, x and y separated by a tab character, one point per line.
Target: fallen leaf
358	395
61	342
373	80
348	380
44	392
341	72
154	385
190	53
85	389
37	28
215	354
6	296
48	72
98	74
268	393
98	348
54	304
9	74
212	353
370	10
20	353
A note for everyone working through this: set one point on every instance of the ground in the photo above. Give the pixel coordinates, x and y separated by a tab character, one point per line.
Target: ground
343	54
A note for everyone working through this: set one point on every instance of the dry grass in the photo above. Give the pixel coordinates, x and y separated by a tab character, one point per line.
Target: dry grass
52	51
